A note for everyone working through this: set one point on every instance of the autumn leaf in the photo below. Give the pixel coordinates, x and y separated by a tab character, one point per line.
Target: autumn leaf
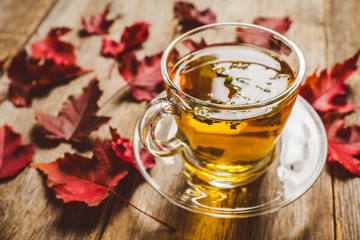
326	91
112	48
123	148
132	37
13	155
193	45
190	17
344	145
28	76
144	76
78	178
52	48
52	61
264	39
77	119
278	24
89	180
98	23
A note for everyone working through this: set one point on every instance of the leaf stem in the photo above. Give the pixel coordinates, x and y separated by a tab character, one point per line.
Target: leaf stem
111	68
154	218
118	92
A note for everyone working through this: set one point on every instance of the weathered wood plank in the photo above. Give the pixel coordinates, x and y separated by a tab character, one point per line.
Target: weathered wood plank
18	20
28	209
343	37
309	217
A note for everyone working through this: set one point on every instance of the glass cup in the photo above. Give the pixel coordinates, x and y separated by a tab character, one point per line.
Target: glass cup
224	144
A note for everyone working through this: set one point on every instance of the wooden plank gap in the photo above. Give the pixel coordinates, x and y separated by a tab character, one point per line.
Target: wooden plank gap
106	215
326	49
334	199
326	34
40	22
8	36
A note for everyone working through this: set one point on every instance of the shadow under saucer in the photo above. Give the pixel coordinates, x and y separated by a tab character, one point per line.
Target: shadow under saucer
299	158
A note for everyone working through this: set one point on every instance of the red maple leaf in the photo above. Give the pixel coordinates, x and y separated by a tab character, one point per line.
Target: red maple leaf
123	148
190	17
77	119
27	76
193	45
52	48
144	76
326	91
344	145
132	37
13	155
78	178
264	39
278	24
98	23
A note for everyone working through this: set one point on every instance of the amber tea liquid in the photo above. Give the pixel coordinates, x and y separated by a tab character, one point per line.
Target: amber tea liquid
230	75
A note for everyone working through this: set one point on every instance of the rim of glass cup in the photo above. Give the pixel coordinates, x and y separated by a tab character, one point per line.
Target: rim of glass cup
283	95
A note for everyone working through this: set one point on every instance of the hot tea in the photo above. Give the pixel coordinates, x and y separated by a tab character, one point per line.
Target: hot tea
232	141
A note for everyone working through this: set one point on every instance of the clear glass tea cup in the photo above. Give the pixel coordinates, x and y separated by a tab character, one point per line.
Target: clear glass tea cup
227	135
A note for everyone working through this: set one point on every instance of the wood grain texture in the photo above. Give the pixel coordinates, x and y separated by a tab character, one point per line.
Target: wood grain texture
18	20
29	210
343	37
309	217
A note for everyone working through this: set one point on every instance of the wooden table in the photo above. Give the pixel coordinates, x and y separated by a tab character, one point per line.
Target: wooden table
327	31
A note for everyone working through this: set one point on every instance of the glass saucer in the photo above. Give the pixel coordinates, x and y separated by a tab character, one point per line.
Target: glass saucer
300	157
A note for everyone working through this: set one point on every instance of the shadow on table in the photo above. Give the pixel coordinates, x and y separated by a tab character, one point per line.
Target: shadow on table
75	217
339	172
296	221
38	138
196	226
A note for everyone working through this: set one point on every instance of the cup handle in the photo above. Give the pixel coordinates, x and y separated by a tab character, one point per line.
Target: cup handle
148	121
